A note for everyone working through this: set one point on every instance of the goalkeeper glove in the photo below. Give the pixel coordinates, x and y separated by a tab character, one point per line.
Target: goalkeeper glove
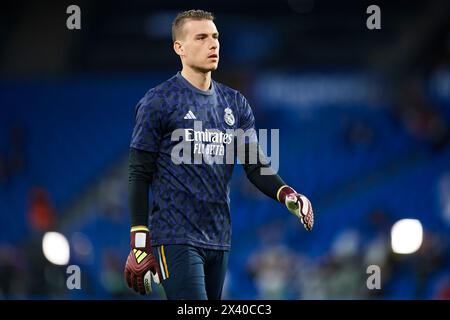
141	263
297	204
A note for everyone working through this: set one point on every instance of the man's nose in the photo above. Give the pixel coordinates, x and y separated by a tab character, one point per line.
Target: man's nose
214	44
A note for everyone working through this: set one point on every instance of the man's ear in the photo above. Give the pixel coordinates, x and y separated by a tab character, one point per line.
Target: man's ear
178	47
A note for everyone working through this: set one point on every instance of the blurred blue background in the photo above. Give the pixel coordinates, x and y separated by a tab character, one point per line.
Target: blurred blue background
364	129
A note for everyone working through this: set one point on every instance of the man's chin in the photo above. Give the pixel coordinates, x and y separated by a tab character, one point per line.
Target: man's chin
208	68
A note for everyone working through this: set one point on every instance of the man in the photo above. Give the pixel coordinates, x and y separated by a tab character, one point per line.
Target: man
187	243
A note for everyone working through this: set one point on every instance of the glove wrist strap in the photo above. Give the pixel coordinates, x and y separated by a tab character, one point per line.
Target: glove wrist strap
139	228
140	238
283	192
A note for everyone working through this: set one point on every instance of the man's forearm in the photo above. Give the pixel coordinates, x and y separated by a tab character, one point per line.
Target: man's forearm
267	184
141	167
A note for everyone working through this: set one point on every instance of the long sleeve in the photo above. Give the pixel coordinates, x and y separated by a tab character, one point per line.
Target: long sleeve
267	184
141	167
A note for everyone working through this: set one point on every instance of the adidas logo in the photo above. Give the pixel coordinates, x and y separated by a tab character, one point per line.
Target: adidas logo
190	115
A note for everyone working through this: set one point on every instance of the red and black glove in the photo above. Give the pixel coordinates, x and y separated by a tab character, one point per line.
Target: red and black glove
141	266
297	204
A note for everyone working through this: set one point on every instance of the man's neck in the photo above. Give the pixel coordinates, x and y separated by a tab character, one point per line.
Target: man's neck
198	79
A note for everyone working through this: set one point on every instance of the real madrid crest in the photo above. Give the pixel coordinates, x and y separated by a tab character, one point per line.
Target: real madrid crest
228	116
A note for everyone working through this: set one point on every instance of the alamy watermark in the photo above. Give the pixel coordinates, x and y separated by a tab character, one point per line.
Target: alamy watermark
374	20
73	21
74	277
374	279
212	146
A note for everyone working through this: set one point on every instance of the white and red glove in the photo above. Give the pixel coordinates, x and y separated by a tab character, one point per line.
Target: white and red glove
141	266
297	204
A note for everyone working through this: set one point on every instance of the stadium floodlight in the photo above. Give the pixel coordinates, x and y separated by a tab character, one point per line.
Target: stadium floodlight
406	236
56	248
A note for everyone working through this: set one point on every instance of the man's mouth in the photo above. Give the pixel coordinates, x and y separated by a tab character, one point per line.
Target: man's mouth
214	55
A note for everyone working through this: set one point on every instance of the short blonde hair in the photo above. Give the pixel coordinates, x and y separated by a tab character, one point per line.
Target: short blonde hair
182	17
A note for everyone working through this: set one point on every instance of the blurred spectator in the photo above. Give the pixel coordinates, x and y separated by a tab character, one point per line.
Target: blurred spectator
378	250
444	196
420	117
343	271
41	213
443	290
43	279
112	196
273	268
12	273
112	274
272	271
429	260
311	280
